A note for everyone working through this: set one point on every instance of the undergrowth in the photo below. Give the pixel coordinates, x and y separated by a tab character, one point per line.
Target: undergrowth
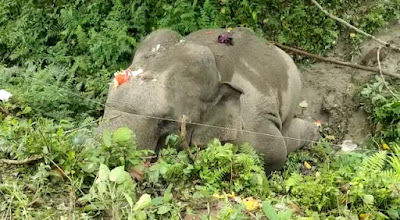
51	49
108	177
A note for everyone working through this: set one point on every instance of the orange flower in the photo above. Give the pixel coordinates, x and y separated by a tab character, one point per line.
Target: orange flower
120	78
318	123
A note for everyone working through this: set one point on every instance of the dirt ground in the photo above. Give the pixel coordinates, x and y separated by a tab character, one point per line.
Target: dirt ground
329	90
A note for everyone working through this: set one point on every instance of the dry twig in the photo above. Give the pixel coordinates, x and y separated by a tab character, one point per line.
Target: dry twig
21	162
183	136
386	44
380	72
330	60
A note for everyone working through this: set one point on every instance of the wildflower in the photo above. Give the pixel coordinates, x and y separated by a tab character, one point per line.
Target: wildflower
4	95
385	146
155	49
318	123
251	203
363	216
137	72
120	78
208	32
231	195
123	76
307	165
218	196
352	35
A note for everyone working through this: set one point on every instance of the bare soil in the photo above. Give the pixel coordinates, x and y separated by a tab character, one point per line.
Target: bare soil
329	90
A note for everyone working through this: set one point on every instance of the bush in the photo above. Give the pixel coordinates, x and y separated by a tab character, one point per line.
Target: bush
76	46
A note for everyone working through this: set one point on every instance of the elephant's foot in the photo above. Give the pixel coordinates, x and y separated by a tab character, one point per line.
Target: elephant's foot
271	147
300	133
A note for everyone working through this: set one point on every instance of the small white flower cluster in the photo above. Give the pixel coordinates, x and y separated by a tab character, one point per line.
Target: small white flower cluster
156	49
4	95
130	72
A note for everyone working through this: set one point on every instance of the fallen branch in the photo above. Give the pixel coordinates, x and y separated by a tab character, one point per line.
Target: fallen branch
183	136
354	28
380	72
21	162
330	60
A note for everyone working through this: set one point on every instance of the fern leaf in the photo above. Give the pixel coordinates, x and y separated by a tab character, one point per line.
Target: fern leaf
375	163
394	159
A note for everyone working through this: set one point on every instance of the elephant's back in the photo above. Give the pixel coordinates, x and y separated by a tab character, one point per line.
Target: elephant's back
266	74
250	56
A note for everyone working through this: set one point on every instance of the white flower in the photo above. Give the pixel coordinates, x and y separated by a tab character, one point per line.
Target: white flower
156	49
4	95
137	72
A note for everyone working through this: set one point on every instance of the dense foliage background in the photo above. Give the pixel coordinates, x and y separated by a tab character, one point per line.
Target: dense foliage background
78	45
51	50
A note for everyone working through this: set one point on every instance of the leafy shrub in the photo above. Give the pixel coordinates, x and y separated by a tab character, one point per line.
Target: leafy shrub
382	103
75	46
218	167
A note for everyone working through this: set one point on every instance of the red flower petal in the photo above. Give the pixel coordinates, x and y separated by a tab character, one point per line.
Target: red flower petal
121	79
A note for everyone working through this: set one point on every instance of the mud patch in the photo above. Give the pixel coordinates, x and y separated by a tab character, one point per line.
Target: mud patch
330	90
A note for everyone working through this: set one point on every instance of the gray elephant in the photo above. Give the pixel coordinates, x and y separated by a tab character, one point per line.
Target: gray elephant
249	86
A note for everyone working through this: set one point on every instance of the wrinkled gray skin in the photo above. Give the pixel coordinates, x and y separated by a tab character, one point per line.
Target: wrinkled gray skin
250	86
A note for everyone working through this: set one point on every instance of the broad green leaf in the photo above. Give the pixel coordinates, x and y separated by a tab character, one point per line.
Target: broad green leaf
172	140
144	202
122	136
163	209
257	179
90	207
107	139
269	211
285	215
104	172
393	213
118	174
88	167
168	194
128	199
157	201
26	110
102	187
369	199
45	150
141	215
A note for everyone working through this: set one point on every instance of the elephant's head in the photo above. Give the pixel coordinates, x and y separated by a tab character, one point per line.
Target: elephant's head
180	79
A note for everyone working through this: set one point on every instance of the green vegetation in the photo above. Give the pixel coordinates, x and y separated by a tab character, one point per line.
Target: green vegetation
78	45
52	50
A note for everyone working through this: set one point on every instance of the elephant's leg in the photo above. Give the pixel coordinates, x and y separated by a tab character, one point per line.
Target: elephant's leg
271	146
299	133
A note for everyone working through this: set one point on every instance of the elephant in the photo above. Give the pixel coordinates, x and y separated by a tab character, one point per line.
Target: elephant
250	86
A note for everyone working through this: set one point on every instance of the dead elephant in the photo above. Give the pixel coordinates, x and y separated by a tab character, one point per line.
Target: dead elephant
247	85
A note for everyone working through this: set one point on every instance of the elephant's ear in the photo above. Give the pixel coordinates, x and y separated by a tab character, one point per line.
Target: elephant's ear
225	112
